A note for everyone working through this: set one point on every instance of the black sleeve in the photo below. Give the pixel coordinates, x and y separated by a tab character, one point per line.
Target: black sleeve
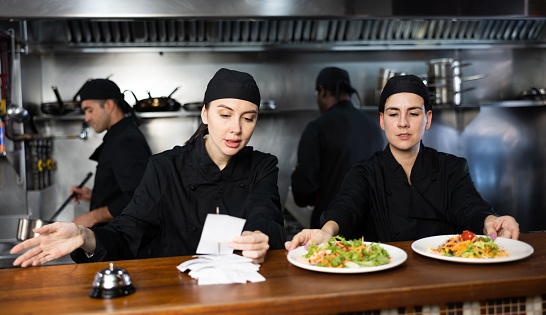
350	203
306	176
468	209
123	237
262	205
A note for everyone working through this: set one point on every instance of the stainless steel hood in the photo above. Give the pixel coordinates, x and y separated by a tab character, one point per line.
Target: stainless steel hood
82	25
52	9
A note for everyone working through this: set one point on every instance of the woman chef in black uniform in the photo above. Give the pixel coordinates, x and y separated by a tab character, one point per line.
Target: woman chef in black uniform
181	186
408	191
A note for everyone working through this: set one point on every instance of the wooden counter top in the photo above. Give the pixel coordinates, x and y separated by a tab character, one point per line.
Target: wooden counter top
161	288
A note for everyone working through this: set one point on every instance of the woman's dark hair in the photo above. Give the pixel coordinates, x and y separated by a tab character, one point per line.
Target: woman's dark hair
202	127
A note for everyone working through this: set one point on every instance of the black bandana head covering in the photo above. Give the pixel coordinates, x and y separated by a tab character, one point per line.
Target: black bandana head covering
232	84
104	89
100	89
404	83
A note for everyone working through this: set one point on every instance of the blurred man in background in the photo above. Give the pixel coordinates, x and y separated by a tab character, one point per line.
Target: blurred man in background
332	143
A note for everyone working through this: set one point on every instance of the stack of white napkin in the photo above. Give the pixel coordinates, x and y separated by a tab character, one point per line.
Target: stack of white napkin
222	269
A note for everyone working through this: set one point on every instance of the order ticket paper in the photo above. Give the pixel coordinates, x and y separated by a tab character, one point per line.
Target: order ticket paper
218	231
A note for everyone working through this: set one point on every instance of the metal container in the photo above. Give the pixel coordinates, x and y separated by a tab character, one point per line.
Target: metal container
444	81
267	105
25	229
382	77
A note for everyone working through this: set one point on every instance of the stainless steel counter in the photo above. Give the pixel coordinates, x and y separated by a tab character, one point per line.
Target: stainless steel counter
7	259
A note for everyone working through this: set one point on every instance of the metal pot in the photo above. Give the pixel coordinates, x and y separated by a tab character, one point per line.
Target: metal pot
60	107
25	228
382	77
444	80
267	105
157	104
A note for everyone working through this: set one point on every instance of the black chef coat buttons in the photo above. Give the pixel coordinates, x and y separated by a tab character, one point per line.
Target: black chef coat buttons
396	233
192	187
242	185
389	193
193	229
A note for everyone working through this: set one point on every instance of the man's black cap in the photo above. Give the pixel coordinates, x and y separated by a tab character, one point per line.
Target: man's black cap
333	77
100	89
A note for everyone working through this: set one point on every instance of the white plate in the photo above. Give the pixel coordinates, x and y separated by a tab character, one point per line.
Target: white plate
517	250
398	256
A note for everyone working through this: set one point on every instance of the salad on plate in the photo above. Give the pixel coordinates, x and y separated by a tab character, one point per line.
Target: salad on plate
469	245
340	253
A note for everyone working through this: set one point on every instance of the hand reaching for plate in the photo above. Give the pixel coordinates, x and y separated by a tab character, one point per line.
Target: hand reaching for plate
307	236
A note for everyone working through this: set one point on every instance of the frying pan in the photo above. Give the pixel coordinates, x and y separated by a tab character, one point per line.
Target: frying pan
157	104
59	107
193	107
26	226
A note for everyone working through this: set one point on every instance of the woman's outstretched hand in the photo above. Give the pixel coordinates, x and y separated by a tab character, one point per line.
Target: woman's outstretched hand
55	241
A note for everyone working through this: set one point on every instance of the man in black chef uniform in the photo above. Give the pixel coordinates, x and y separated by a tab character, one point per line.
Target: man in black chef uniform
332	143
122	157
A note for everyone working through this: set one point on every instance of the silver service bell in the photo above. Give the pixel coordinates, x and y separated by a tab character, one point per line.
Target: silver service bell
111	282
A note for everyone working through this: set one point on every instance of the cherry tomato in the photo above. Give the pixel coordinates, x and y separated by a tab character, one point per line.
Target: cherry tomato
467	235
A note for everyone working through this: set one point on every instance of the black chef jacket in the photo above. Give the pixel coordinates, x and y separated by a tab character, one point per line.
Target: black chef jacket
179	188
122	159
377	202
328	147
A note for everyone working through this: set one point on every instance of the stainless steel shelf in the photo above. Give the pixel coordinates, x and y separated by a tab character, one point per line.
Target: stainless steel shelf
283	111
175	114
514	103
